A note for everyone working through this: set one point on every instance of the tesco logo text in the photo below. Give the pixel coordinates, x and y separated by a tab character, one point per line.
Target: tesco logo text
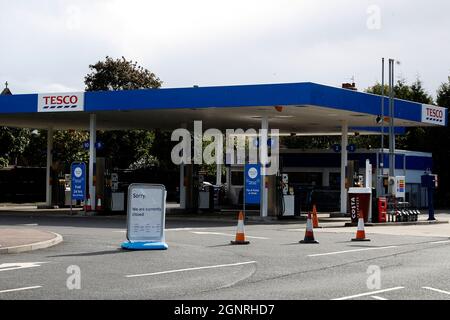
434	113
59	100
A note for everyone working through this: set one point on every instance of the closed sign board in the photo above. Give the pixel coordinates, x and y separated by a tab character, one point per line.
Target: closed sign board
433	114
61	102
146	212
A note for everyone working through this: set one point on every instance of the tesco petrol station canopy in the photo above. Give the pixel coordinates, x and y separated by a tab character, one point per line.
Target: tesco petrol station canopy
304	108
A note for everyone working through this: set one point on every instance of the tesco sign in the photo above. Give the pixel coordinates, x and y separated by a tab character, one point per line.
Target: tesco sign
61	102
434	115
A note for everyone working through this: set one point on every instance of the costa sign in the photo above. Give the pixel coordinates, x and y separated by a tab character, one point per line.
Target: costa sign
434	114
61	102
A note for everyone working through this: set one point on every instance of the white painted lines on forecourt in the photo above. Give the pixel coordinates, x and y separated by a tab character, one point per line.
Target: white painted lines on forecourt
379	298
373	294
205	233
19	265
171	229
190	269
226	234
440	242
20	289
349	251
436	290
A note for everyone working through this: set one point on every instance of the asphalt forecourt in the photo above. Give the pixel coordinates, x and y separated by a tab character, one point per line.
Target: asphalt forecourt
200	263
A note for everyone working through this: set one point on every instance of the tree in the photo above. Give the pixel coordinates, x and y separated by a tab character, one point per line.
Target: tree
68	147
35	153
434	139
13	142
306	142
132	148
120	74
439	141
415	138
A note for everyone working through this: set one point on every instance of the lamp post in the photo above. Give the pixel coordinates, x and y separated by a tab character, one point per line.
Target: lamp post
392	63
381	161
391	121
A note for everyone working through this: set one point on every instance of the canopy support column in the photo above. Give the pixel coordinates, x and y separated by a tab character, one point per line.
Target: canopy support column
344	163
264	161
218	174
182	188
183	180
48	179
92	158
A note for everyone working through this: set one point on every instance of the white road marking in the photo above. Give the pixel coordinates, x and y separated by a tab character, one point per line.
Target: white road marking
172	229
441	242
379	298
185	229
29	224
20	289
436	290
227	234
190	269
369	293
19	265
348	251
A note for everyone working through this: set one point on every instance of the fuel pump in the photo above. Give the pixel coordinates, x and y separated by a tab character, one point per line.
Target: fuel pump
285	196
67	189
288	197
117	195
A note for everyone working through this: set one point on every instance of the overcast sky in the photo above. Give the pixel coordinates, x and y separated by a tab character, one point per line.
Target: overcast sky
47	46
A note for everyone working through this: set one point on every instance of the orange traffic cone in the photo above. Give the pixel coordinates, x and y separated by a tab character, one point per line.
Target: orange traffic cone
99	204
240	233
360	234
309	233
315	217
87	205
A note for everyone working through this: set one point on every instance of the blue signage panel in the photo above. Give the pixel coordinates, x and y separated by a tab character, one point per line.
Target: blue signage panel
86	145
99	145
78	185
271	142
252	184
351	148
337	148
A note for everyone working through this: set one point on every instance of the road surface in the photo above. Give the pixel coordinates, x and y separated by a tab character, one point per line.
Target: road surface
200	263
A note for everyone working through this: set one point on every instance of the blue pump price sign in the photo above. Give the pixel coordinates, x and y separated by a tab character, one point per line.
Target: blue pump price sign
78	181
252	183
